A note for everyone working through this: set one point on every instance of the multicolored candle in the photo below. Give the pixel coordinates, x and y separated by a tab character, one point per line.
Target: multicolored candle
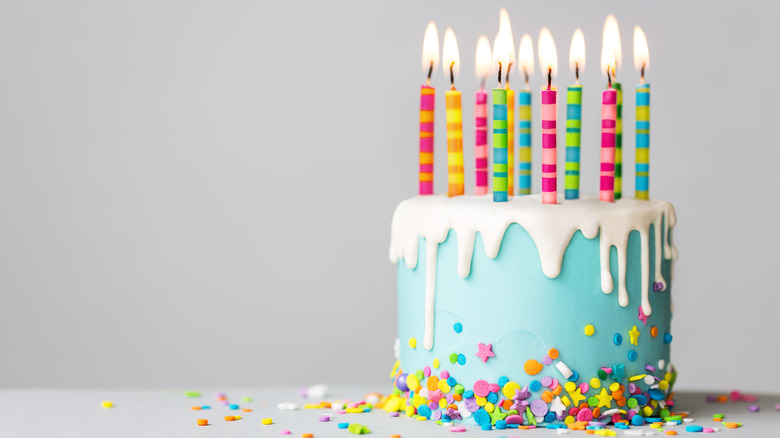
611	43
500	59
483	62
574	118
505	27
641	62
427	106
526	65
608	123
548	60
451	66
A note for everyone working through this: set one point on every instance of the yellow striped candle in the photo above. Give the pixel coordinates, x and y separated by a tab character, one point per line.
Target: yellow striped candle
510	141
454	143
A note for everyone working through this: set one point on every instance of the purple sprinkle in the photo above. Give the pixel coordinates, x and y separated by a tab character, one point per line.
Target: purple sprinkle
547	360
539	407
303	392
753	408
650	368
630	414
433	406
450	399
711	399
658	286
436	415
777	407
324	418
546	381
631	388
395	414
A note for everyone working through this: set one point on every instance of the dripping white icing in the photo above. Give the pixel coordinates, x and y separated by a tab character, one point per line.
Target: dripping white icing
550	226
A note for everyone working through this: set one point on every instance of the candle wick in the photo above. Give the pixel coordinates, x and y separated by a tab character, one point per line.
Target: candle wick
643	73
577	72
499	73
508	67
430	72
609	79
549	78
482	86
452	75
525	73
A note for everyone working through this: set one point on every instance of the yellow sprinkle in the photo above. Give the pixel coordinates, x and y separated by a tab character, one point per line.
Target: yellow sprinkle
569	419
589	330
421	418
663	385
481	401
569	386
412	382
509	389
436	364
637	377
237	417
595	383
489	407
605	432
614	386
410	411
442	403
444	387
354	410
395	368
413	342
266	421
566	401
647	411
107	404
418	400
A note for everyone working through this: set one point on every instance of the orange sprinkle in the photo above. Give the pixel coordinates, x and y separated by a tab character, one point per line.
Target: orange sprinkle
577	425
557	389
246	410
507	404
671	432
617	394
732	425
196	408
590	432
452	406
433	383
621	402
457	397
203	422
596	412
584	405
307	435
395	436
229	418
553	353
723	399
326	404
547	396
523	427
653	331
532	367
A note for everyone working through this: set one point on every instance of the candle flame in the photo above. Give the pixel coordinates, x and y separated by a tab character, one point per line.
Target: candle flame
505	26
449	53
611	40
484	59
430	47
641	53
548	56
577	51
526	55
500	52
607	61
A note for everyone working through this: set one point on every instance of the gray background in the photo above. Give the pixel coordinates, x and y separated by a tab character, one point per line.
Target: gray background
200	193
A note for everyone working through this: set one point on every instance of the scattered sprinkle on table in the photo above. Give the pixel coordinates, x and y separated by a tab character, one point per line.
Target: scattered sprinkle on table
266	421
203	422
107	404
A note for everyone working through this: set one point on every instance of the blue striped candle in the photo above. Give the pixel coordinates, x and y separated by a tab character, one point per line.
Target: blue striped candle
524	142
499	146
642	141
573	126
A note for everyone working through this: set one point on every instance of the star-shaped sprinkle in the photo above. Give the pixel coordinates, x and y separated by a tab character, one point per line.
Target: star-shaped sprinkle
519	405
642	316
435	396
576	397
497	415
633	334
521	394
485	351
618	372
557	406
454	414
604	398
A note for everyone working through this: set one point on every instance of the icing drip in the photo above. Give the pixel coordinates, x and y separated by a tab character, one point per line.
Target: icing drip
550	226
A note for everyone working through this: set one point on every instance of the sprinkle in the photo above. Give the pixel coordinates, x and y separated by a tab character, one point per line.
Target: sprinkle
564	369
589	330
667	338
485	351
345	425
204	422
412	342
246	399
307	435
191	394
285	432
233	406
287	406
553	353
653	331
453	357
458	327
461	359
229	418
266	421
358	429
107	404
633	336
457	429
324	418
693	428
617	339
753	408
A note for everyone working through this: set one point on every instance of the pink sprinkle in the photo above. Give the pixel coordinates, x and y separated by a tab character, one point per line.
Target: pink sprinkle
285	432
458	429
708	430
445	375
735	395
427	371
749	398
341	412
777	407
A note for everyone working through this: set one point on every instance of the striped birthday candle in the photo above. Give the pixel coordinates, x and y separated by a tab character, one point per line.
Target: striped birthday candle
454	143
524	142
618	141
499	146
573	127
608	123
480	143
427	104
510	141
549	147
642	141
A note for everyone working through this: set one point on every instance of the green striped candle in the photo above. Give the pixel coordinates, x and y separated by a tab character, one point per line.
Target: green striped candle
618	142
573	126
499	146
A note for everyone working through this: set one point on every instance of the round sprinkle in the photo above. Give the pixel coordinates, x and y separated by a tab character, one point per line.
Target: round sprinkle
427	371
693	428
481	388
667	338
547	360
307	435
532	367
595	383
454	358
266	421
107	404
570	386
617	339
343	425
436	364
510	388
589	330
502	381
412	343
553	353
753	408
412	382
230	418
546	381
535	385
458	327
420	375
602	375
203	422
653	331
461	359
632	355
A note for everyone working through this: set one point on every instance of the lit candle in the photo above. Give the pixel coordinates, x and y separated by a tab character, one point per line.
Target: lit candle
525	59
500	60
451	64
483	70
612	39
641	62
574	117
608	122
427	105
548	61
505	27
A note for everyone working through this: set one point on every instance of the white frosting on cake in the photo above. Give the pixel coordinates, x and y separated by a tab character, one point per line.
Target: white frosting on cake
550	226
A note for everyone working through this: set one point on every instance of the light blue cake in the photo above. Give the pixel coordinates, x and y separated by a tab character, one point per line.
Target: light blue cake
501	305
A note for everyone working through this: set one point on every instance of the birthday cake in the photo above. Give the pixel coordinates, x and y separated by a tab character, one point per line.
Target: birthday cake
521	313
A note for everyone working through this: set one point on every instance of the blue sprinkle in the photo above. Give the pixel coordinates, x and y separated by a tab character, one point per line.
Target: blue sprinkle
468	394
656	394
632	355
512	426
486	426
461	359
549	418
445	418
451	381
640	399
617	339
502	381
234	407
654	419
621	425
574	376
500	424
205	407
481	417
667	338
637	420
535	385
343	425
693	428
424	411
458	327
492	397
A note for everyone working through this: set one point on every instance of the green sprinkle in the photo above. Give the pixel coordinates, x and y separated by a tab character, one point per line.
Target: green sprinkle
420	375
453	357
246	399
459	389
191	394
602	375
358	429
530	416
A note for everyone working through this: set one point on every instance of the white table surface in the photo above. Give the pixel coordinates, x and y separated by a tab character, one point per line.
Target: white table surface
167	413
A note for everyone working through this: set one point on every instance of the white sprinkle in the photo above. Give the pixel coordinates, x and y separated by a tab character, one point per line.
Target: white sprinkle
564	369
287	406
649	380
661	364
317	391
337	406
562	431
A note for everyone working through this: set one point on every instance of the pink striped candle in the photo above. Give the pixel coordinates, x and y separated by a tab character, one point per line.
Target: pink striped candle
480	142
427	103
549	146
608	128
